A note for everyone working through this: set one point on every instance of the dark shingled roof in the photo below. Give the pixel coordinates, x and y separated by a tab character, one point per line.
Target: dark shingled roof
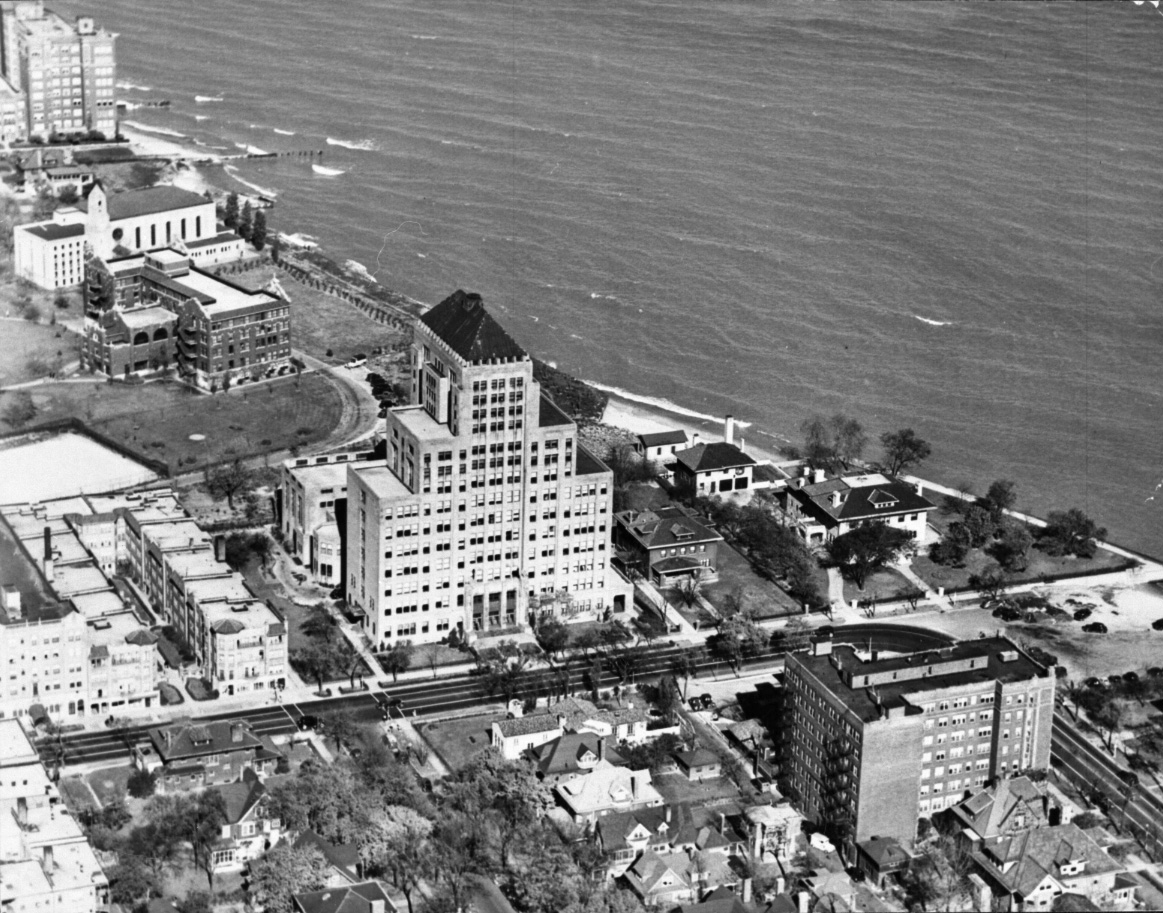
353	898
145	202
880	496
462	322
51	231
661	438
707	457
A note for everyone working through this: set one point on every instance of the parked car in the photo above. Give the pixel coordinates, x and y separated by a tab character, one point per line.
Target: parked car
307	721
1130	676
696	703
1094	682
1083	614
1155	671
707	702
1157	624
1007	613
1095	627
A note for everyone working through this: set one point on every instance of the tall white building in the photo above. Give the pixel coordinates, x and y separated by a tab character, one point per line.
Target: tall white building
487	512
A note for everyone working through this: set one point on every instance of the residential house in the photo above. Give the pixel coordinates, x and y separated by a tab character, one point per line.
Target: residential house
571	755
822	510
880	857
194	755
666	544
660	445
513	737
1006	807
710	469
774	829
342	858
604	790
249	829
665	879
1030	869
622	837
829	891
698	765
365	897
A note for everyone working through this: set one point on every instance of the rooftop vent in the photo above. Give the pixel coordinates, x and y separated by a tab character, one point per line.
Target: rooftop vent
1008	656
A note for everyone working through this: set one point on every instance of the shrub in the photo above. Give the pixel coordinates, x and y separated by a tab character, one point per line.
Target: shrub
200	690
170	695
31	313
61	300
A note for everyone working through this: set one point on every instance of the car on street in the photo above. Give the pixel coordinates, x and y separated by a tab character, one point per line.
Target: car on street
706	702
308	721
1083	614
1157	624
1095	627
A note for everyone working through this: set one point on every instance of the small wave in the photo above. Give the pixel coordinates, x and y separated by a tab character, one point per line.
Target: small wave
604	297
422	256
364	145
129	86
127	105
251	150
425	37
327	172
148	129
535	319
356	267
202	99
933	323
233	172
298	239
198	142
656	402
284	132
201	117
575	336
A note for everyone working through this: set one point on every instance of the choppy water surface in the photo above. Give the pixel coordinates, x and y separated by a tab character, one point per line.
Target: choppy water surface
941	215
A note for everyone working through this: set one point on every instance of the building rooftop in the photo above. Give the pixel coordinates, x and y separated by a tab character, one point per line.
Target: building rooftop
348	898
234	617
201	563
75	866
115	630
133	203
225	237
223	296
146	507
382	481
1023	861
662	438
856	496
417	422
96	605
231	588
24	780
866	687
710	457
183	740
587	464
665	527
550	414
177	534
324	475
461	322
16	747
54	231
47	825
608	788
146	317
73	579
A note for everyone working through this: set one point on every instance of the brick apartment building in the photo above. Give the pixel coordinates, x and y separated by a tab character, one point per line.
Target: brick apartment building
488	511
872	745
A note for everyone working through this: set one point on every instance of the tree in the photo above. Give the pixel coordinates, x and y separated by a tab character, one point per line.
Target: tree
319	623
953	547
20	409
991	583
1000	497
1070	532
316	660
141	784
197	902
155	842
397	659
937	878
276	248
245	220
130	882
903	450
911	594
686	667
738	637
228	480
689	589
258	231
980	525
1109	716
796	635
230	211
833	444
395	844
341	726
865	549
196	820
284	872
1012	549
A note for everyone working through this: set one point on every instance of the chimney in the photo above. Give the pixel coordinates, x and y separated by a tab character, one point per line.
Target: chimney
805	900
668	814
695	439
49	864
920	487
747	890
822	647
601	749
48	569
757	845
806	470
634	786
377	906
729	430
818	476
780	884
236	732
835	499
219	548
22	811
722	825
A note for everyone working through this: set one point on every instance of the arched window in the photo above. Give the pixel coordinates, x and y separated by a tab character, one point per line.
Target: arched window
160	333
141	338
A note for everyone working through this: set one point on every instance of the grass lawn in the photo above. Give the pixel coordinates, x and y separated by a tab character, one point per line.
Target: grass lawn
157	419
78	796
1041	566
881	585
324	322
736	576
109	783
458	741
677	788
29	351
425	656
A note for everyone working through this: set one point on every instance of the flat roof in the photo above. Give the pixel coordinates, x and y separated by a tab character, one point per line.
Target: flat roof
28	526
113	629
96	605
382	481
224	237
146	507
185	533
325	475
215	588
25	780
16	747
225	297
416	421
190	565
70	579
252	614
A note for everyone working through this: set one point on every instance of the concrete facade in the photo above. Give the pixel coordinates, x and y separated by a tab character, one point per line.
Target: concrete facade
487	512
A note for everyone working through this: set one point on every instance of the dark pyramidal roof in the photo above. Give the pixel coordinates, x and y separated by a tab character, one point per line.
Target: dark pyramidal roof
462	322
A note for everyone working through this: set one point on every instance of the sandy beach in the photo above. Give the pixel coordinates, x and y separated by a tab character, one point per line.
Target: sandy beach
171	147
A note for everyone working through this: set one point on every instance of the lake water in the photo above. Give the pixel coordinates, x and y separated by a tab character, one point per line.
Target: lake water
940	215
